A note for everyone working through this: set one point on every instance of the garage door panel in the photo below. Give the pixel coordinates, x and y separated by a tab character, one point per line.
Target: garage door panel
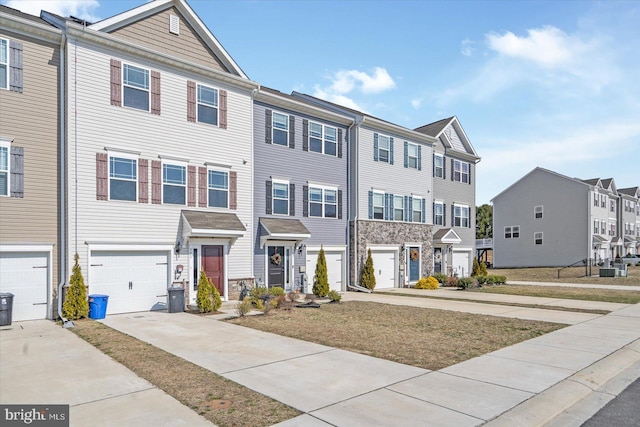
460	261
335	268
134	281
384	266
26	276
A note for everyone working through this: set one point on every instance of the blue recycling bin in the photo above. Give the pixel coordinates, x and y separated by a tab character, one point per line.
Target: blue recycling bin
98	306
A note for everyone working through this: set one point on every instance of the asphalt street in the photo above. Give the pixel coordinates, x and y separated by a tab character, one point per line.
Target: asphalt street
623	411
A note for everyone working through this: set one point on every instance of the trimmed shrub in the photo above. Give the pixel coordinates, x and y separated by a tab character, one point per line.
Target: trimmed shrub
465	282
321	279
481	280
441	278
427	283
368	275
276	291
76	304
208	298
475	271
244	307
334	296
483	269
452	281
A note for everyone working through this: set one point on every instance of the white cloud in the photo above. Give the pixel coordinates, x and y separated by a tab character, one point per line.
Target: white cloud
467	47
417	102
337	99
79	8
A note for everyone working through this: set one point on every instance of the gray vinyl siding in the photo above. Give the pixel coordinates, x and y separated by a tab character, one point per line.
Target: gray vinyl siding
101	125
30	119
565	225
153	32
300	168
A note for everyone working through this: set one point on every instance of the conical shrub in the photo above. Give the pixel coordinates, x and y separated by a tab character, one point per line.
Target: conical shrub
368	275
76	305
321	278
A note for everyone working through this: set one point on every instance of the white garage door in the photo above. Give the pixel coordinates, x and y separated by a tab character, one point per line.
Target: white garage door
335	268
133	280
461	263
26	276
384	264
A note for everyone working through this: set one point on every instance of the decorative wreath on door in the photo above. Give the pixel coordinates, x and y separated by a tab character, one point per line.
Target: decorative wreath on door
414	254
276	259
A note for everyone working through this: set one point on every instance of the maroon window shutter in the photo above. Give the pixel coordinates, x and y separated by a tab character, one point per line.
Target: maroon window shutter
223	109
102	176
143	181
155	92
191	101
156	182
202	187
116	83
233	190
191	185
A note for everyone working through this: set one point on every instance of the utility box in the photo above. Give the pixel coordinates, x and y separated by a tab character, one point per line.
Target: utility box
6	308
175	301
607	272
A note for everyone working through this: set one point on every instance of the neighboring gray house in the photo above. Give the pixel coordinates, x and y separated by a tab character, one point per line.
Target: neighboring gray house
454	197
300	191
629	220
546	219
390	193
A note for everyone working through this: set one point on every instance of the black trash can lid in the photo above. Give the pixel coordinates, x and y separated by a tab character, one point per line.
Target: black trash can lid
6	295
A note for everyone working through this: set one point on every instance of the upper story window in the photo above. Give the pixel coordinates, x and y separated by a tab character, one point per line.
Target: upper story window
280	128
207	105
323	202
461	216
603	227
416	209
174	184
612	205
378	205
512	232
398	208
280	198
218	188
136	87
595	199
382	148
596	226
11	65
603	201
438	166
323	139
4	64
537	212
122	178
4	170
461	171
537	237
412	154
612	229
438	214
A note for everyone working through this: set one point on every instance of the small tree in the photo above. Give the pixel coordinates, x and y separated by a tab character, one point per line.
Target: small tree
208	297
483	269
368	275
321	278
475	271
76	304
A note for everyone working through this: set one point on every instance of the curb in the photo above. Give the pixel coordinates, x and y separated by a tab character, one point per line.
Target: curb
578	397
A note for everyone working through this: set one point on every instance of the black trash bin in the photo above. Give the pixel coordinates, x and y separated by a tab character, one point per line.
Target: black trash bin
176	300
6	307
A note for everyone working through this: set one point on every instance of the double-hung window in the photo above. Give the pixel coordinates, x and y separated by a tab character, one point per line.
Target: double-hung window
323	202
174	184
378	205
207	105
537	237
122	178
323	139
136	87
384	148
280	198
596	226
461	216
218	188
416	209
438	214
280	129
612	205
537	212
515	231
412	156
438	166
507	233
398	208
460	171
4	64
4	170
595	199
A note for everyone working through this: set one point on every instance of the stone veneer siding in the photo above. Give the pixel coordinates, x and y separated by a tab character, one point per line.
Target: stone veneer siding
389	234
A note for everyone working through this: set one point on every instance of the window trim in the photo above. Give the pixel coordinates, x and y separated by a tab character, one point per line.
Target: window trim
435	166
274	129
323	138
388	149
216	107
323	192
6	64
435	214
461	217
125	85
183	165
228	190
6	144
373	204
538	210
458	164
541	238
409	156
415	199
127	156
275	182
394	208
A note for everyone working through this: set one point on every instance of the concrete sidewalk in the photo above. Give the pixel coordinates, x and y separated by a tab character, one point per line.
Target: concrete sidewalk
42	363
577	285
529	383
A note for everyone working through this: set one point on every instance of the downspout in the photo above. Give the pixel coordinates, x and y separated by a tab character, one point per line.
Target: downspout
254	92
356	124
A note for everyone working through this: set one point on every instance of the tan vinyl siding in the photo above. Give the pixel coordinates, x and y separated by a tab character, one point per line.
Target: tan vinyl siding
102	125
31	120
153	32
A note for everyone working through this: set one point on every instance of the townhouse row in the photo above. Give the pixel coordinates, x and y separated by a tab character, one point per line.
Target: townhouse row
138	143
549	219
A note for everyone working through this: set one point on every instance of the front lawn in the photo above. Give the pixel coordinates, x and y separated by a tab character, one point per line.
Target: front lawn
585	294
567	275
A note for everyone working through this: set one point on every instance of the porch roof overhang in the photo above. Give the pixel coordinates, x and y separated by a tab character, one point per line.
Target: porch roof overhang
211	224
283	229
598	240
446	236
616	241
628	240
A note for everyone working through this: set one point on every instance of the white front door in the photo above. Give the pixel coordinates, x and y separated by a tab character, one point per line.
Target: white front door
26	276
384	266
133	280
335	268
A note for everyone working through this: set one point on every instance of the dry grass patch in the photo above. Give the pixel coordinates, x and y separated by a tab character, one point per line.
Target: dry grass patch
217	399
567	275
427	338
585	294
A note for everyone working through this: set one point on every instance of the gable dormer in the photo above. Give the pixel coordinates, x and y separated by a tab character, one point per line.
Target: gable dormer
452	136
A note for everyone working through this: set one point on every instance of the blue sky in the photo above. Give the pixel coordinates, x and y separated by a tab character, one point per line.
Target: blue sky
554	84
